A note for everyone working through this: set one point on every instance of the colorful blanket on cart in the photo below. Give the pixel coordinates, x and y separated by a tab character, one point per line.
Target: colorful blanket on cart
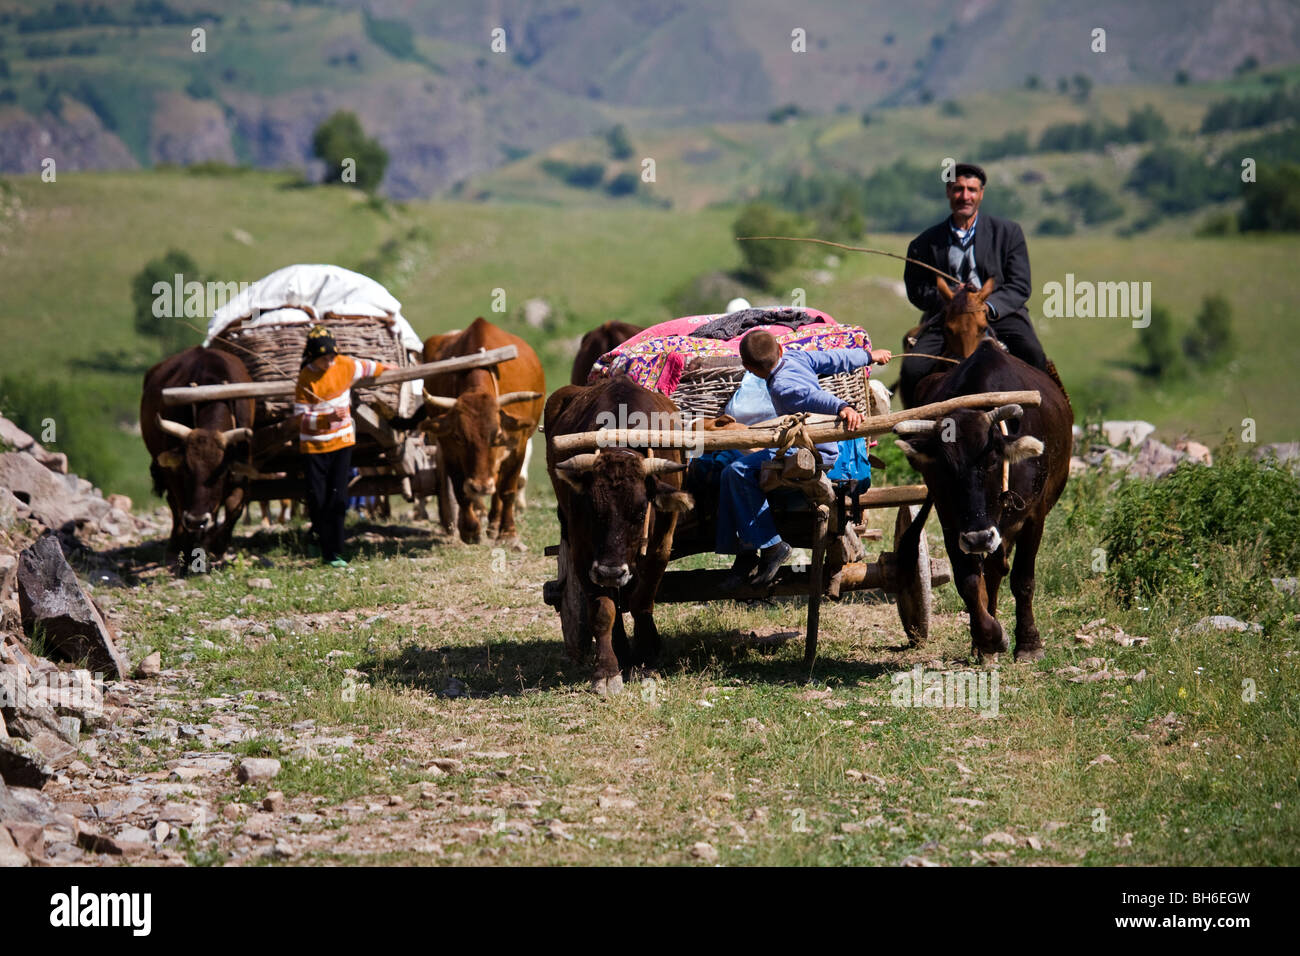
656	358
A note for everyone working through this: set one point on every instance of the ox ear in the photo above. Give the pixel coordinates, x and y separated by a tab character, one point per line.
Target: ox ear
668	498
439	423
171	459
945	292
1023	448
986	290
915	456
509	423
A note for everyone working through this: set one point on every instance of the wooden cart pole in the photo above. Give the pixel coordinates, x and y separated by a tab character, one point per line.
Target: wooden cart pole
771	436
186	395
815	584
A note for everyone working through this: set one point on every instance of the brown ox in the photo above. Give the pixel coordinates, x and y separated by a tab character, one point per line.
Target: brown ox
194	448
964	458
482	419
602	339
618	510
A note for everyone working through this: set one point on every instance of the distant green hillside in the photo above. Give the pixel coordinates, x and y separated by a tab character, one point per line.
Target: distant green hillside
111	85
69	250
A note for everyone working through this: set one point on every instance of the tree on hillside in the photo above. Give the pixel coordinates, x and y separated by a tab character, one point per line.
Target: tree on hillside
620	147
350	156
1211	339
1273	203
764	259
161	317
1159	345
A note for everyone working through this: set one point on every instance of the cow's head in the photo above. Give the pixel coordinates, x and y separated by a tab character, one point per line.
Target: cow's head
616	487
477	432
965	317
961	457
203	461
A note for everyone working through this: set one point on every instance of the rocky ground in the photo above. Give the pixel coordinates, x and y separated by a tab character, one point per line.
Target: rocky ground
227	741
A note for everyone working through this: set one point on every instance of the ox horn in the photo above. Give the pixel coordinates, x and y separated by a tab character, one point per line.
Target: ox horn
1003	412
439	401
509	397
175	429
916	426
660	466
578	463
236	435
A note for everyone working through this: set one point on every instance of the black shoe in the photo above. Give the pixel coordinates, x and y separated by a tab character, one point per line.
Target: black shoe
773	558
741	571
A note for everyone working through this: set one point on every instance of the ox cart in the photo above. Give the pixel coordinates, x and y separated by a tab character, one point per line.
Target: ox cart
266	327
827	518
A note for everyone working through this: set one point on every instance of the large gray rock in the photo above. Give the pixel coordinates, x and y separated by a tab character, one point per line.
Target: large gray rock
22	764
50	497
1133	433
1155	460
23	714
19	440
50	598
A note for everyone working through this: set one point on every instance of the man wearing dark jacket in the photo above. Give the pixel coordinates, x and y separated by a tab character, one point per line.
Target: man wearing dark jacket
974	248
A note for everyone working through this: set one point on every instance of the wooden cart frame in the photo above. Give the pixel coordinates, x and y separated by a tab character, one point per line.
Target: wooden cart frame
829	523
402	466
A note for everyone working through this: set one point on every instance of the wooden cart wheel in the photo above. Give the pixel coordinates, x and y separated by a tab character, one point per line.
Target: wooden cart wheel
573	607
914	596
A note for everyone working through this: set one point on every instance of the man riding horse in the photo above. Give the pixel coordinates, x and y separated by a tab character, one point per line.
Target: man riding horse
974	248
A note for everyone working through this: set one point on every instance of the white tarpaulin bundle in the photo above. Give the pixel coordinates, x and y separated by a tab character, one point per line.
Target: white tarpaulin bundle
280	298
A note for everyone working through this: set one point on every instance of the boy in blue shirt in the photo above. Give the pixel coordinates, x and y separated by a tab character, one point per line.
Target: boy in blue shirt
743	511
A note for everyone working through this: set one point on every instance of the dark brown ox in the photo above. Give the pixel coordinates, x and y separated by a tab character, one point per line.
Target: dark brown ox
194	450
618	509
962	459
482	419
602	339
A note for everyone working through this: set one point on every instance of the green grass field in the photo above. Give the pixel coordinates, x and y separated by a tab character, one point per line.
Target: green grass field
1154	756
72	246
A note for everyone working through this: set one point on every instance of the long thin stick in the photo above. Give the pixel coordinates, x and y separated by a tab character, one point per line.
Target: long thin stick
200	393
771	436
840	245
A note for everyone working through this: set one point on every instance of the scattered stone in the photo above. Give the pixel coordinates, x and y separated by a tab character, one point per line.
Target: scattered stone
1222	622
1119	433
50	599
998	837
234	811
273	802
1195	451
151	666
22	764
966	801
262	584
1101	759
914	860
1155	460
256	770
448	764
10	855
704	851
1286	585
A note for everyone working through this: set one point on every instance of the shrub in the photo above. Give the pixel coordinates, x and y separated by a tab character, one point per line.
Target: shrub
1273	203
170	331
1052	226
1096	204
624	184
1211	537
764	259
1211	339
341	138
620	147
1159	344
